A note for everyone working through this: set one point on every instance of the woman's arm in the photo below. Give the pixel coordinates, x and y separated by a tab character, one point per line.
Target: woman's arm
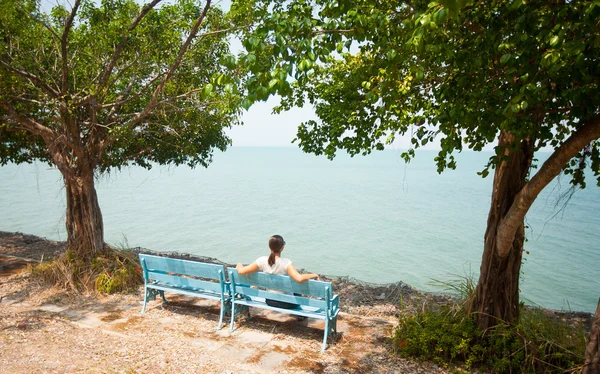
246	269
292	272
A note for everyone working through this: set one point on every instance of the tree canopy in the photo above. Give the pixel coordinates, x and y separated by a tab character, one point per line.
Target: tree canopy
127	83
374	70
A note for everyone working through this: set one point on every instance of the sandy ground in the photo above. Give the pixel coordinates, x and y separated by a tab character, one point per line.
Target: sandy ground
44	330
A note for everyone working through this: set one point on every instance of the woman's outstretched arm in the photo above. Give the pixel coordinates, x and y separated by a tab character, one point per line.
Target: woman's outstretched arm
241	269
292	272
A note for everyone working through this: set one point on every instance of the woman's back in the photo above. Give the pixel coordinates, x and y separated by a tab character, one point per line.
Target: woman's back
279	267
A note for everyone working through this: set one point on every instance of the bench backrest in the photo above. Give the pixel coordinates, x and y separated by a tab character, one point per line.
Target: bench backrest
177	272
314	293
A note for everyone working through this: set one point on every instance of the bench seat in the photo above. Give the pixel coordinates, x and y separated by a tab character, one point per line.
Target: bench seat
314	299
184	277
305	311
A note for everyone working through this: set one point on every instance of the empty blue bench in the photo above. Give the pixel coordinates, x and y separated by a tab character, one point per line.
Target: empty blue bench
316	300
184	277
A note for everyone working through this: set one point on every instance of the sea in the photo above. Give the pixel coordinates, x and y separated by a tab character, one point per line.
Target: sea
373	218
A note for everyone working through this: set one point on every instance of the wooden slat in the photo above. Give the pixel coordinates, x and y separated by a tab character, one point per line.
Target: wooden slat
318	314
255	292
190	292
172	265
175	280
283	283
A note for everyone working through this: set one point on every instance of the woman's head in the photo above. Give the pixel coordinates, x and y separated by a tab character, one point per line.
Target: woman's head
276	244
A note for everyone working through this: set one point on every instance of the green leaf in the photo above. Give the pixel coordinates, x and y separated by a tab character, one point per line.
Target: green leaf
207	89
554	40
504	59
251	58
246	104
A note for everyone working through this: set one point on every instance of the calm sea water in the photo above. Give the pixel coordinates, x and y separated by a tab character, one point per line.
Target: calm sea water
373	218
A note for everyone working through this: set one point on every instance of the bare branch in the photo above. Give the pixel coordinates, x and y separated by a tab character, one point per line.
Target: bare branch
587	133
175	98
223	31
332	31
63	46
25	100
122	98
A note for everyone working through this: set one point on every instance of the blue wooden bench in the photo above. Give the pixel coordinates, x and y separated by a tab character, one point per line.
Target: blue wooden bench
316	300
184	277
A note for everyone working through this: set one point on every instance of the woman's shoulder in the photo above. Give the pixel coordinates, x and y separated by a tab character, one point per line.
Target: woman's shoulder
284	261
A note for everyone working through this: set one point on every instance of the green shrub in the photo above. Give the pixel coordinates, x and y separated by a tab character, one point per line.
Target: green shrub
537	343
444	337
110	272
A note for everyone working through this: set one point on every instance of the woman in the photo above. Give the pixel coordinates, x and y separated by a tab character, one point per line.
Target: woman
275	264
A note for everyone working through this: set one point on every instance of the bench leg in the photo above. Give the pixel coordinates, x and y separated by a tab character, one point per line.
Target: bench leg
334	326
220	325
246	309
150	294
232	316
326	334
145	300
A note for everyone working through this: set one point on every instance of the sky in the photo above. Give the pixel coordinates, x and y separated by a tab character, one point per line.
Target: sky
262	128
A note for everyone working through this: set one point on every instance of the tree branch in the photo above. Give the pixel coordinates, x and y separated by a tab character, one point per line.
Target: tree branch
63	47
38	82
332	31
587	133
154	99
111	65
122	98
47	26
28	124
222	31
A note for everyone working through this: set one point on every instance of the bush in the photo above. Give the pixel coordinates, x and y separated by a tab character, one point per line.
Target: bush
110	272
537	343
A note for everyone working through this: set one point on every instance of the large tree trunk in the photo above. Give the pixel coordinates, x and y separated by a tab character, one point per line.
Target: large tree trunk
497	292
592	352
85	228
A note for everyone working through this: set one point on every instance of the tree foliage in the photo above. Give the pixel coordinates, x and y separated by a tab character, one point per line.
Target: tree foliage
378	69
116	81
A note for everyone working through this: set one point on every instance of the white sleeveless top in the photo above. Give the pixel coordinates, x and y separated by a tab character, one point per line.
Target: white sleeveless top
279	267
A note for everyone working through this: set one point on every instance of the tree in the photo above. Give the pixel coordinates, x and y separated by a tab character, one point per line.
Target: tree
520	75
101	86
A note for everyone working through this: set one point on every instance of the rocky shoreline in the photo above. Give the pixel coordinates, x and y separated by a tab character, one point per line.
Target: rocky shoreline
361	298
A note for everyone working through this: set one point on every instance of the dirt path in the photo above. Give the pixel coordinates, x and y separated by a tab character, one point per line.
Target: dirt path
45	330
42	330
